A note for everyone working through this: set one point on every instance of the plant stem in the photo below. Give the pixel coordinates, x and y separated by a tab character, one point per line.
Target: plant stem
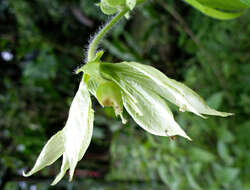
95	42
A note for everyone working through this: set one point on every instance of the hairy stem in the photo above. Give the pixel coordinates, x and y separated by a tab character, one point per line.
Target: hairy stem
95	42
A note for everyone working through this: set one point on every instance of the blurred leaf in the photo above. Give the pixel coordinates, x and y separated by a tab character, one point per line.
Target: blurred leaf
225	175
202	155
223	151
215	100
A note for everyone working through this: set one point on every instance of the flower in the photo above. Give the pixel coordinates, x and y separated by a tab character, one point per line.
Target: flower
110	7
141	89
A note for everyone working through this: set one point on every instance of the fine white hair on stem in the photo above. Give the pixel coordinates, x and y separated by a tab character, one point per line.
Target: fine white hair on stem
94	36
102	31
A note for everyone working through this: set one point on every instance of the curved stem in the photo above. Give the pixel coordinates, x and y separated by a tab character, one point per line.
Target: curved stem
95	42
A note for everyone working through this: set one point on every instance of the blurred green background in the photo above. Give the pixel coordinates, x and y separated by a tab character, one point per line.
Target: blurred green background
42	42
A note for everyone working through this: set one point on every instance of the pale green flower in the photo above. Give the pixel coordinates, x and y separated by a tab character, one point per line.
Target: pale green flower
142	90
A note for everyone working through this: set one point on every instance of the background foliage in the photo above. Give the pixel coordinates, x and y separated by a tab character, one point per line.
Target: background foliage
47	38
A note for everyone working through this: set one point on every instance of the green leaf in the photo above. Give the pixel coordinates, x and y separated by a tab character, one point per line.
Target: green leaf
134	74
73	140
225	174
223	152
191	180
215	100
214	12
233	5
225	135
247	2
198	154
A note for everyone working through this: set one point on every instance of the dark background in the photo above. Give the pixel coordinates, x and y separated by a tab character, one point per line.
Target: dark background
42	42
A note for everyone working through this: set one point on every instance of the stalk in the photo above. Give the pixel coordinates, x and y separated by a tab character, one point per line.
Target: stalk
95	42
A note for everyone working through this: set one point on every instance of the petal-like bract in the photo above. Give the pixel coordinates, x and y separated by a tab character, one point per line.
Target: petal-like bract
148	109
73	140
53	150
154	114
127	74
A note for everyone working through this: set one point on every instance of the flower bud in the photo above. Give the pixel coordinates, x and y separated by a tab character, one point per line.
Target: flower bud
106	8
115	3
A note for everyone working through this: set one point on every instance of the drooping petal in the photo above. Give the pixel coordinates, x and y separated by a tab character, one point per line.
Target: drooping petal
196	101
64	168
53	150
128	74
79	127
71	142
155	117
65	164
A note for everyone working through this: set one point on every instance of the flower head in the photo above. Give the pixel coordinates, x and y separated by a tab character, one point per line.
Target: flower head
142	90
110	7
